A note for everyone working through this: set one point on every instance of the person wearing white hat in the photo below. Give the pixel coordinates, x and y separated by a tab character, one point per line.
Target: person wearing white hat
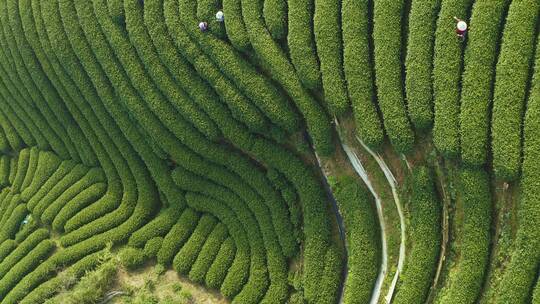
461	28
203	26
219	16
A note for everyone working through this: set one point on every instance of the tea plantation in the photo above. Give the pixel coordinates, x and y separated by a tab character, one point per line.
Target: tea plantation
293	151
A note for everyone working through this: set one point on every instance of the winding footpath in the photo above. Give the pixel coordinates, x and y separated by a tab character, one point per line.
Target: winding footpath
392	182
361	171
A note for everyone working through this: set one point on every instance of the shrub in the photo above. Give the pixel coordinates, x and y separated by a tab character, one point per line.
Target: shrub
326	25
387	49
6	247
159	226
447	64
12	137
466	277
512	76
13	223
419	62
282	71
185	258
236	29
32	166
275	16
521	271
301	42
151	248
22	167
47	184
425	235
260	90
218	269
62	280
479	74
208	253
358	68
25	265
22	250
131	258
177	236
92	177
362	236
82	200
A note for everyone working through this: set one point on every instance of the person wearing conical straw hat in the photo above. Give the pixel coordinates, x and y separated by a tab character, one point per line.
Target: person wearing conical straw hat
461	28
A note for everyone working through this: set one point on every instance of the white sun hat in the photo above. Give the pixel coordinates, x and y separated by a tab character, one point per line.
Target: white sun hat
219	16
462	25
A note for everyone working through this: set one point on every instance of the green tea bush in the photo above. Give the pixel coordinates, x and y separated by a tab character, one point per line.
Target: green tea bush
80	201
419	62
326	25
12	137
362	236
478	76
131	258
92	177
13	223
25	265
466	277
219	268
49	182
47	165
522	270
159	226
275	17
6	248
447	66
22	250
425	235
357	66
151	248
236	29
236	284
22	167
387	55
177	236
511	84
208	253
185	258
318	124
32	166
301	42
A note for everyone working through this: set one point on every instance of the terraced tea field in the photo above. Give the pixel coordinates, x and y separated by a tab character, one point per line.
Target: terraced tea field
296	151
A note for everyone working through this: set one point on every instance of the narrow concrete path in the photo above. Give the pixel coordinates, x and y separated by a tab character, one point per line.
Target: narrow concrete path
393	185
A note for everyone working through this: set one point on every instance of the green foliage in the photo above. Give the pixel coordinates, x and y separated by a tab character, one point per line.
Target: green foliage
478	77
329	48
358	67
363	244
467	275
131	258
419	62
447	66
301	42
208	253
425	235
221	264
387	49
151	248
521	271
513	69
275	16
177	236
